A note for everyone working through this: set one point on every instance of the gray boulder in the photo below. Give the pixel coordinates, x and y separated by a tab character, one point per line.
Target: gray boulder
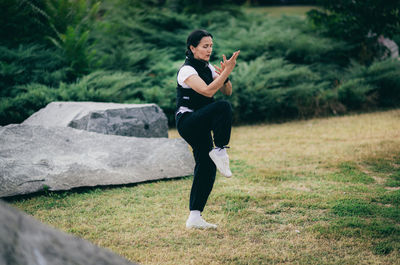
33	158
139	120
26	241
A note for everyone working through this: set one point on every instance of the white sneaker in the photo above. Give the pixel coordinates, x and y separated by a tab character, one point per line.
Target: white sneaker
221	160
199	223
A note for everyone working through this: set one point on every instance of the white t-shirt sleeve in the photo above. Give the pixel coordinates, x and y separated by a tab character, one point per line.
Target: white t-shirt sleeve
214	73
184	73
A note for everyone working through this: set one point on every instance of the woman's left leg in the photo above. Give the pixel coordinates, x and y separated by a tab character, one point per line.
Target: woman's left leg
203	181
204	172
198	135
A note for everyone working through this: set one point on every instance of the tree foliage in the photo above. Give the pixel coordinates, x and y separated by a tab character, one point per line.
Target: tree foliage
22	21
358	21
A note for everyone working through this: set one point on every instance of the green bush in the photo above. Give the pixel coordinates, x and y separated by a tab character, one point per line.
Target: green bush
354	94
31	98
72	22
385	75
99	86
274	89
30	63
130	51
132	39
375	85
23	21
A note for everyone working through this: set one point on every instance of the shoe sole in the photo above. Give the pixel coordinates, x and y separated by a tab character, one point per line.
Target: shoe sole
200	227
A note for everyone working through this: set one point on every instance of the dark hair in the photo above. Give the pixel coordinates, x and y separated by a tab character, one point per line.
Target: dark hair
194	39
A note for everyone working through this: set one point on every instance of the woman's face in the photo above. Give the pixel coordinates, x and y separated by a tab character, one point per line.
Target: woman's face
203	50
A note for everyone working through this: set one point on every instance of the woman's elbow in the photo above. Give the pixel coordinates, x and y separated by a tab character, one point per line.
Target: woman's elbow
228	90
227	93
207	93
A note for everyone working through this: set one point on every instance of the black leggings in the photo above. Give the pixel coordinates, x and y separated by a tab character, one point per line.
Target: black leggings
195	128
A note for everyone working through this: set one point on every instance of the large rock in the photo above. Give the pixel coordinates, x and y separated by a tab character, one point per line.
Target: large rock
26	241
33	158
140	120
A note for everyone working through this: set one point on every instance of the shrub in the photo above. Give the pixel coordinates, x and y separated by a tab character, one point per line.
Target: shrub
30	63
354	94
275	89
129	51
23	21
374	85
33	97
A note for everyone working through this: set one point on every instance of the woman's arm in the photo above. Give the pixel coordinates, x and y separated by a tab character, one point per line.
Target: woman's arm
226	89
198	85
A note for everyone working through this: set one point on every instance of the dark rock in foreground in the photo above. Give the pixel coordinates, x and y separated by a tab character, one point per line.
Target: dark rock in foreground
34	158
26	241
139	120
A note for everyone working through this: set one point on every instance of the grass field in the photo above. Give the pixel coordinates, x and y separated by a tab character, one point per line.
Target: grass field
278	11
320	191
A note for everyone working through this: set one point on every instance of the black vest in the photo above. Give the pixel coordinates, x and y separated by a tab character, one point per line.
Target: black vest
189	98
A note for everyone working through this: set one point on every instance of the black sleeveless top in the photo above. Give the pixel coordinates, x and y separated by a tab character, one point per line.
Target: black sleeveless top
187	97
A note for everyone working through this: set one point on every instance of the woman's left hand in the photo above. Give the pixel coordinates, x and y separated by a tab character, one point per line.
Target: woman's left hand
219	70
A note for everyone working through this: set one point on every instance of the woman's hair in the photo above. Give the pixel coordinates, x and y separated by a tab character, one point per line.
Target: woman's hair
194	39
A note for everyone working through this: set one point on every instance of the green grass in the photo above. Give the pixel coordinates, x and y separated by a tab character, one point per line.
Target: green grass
349	172
278	11
319	191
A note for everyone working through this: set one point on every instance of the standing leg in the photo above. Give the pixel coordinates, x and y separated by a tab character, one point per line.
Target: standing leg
204	173
199	138
203	181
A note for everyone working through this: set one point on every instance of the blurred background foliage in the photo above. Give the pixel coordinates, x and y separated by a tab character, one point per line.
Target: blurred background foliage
129	51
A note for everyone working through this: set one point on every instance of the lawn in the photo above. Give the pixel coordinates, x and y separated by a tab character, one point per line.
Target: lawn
320	191
278	11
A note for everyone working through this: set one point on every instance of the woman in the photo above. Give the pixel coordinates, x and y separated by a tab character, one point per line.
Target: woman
198	114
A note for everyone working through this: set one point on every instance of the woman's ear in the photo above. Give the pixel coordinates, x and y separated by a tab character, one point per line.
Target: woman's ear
192	48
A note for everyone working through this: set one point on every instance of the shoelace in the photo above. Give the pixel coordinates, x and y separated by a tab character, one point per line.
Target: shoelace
220	148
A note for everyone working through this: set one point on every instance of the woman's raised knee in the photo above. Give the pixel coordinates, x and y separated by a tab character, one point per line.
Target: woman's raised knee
224	106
